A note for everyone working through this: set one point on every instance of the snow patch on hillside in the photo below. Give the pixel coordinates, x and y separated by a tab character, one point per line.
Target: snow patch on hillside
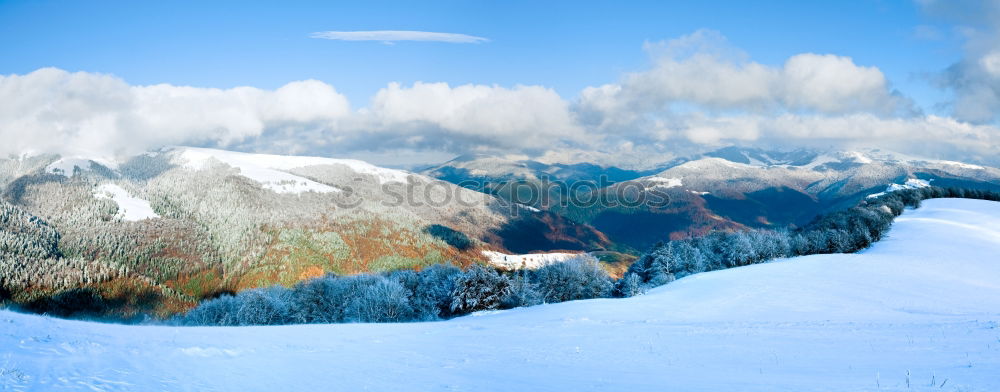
271	170
130	208
663	182
754	161
912	183
961	165
858	157
255	167
711	163
67	165
526	261
529	208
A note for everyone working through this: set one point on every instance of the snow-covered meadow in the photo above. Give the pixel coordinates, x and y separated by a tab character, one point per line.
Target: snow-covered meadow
920	310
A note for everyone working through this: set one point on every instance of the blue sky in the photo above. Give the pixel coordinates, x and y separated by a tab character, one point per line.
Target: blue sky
564	81
564	45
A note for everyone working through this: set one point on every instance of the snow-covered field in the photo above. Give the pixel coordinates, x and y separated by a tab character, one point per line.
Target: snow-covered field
526	261
918	311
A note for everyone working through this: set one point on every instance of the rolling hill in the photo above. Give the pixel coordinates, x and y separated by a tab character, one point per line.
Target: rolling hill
917	311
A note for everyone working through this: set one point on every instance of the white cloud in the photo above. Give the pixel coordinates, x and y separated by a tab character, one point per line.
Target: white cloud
698	92
975	79
702	70
859	127
396	35
834	84
51	110
523	116
55	111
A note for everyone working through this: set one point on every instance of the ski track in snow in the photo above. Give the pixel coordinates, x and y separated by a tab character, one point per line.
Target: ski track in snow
923	302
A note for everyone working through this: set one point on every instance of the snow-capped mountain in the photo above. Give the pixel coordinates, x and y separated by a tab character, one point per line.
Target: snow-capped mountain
831	174
486	170
735	188
725	189
183	223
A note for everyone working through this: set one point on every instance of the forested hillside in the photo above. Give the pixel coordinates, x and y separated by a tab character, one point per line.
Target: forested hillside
444	291
164	230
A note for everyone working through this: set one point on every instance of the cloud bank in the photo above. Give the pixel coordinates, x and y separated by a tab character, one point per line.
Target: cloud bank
697	93
54	111
396	35
975	79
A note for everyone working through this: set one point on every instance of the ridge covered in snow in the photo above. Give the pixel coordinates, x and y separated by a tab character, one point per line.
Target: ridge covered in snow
66	166
271	171
264	169
911	183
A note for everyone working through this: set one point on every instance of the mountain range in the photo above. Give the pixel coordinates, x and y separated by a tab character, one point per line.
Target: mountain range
165	229
725	189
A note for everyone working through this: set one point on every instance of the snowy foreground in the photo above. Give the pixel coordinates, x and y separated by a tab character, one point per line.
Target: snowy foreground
923	305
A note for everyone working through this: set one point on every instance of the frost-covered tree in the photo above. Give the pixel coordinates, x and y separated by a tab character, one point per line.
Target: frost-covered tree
578	278
377	299
269	306
317	301
479	288
523	292
431	291
629	285
220	311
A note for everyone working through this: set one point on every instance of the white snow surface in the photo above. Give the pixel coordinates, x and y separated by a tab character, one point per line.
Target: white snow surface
529	208
961	165
912	183
921	307
65	166
664	182
271	170
130	208
526	261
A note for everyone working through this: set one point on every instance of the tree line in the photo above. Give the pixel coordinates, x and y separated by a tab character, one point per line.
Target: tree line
845	231
438	292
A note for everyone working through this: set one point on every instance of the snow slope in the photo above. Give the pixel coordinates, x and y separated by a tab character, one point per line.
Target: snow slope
66	166
271	171
912	183
526	261
920	307
131	209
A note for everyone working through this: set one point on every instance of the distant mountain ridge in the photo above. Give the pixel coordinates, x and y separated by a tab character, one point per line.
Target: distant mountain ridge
485	168
735	187
181	224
